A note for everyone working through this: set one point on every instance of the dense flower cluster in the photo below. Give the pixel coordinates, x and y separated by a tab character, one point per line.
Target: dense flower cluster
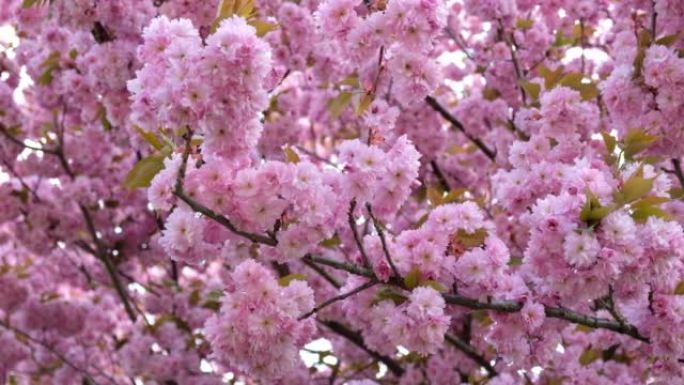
257	330
398	192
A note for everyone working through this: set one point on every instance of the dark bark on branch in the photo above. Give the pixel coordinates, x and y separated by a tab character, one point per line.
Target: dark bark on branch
357	340
502	306
355	232
381	235
200	208
432	102
340	297
471	353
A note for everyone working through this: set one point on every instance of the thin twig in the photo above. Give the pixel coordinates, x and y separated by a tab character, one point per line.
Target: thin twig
200	208
469	351
59	355
340	297
381	234
103	255
677	167
357	340
355	232
440	175
432	102
502	306
321	272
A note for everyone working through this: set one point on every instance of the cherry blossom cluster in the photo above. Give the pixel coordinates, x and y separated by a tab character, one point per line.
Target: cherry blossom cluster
398	192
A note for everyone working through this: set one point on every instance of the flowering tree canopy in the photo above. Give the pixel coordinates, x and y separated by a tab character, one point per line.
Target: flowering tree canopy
341	192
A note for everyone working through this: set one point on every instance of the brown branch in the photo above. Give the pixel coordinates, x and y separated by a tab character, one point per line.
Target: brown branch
440	175
432	102
103	255
503	306
200	208
18	142
340	297
59	355
313	266
357	340
381	234
469	351
677	169
355	232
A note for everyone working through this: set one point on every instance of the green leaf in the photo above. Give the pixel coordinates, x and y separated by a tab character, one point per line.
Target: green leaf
668	40
212	305
531	89
106	124
551	78
263	27
562	40
636	141
29	3
351	81
677	193
470	240
286	280
589	355
482	316
435	285
144	171
215	294
364	103
524	24
389	294
228	8
679	290
337	104
634	188
195	297
291	155
490	93
331	242
515	261
150	138
412	279
649	201
592	211
574	80
642	214
49	65
610	142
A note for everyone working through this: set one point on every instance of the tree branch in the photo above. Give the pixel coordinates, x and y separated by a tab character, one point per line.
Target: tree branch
59	355
102	254
502	306
355	232
432	102
340	297
200	208
677	167
381	234
321	272
357	340
469	351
